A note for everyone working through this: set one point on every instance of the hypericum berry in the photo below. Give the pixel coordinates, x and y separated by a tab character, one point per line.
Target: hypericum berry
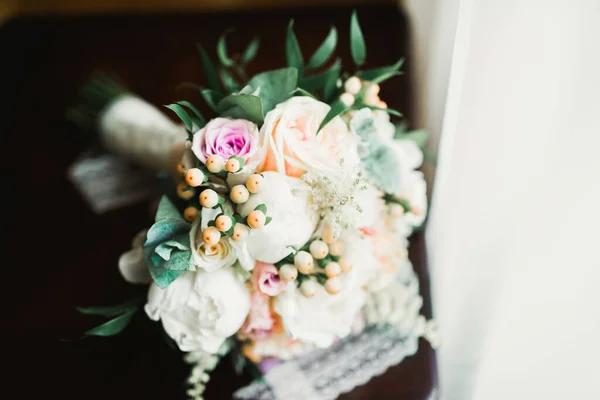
345	264
288	272
333	269
333	285
347	99
336	248
329	235
194	177
215	163
232	165
180	168
372	90
208	198
396	210
184	194
240	232
223	223
254	183
353	85
239	194
190	214
304	262
382	104
318	249
211	235
256	219
308	288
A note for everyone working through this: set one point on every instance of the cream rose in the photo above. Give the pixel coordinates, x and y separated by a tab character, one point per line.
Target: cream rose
199	310
323	318
210	257
291	145
293	218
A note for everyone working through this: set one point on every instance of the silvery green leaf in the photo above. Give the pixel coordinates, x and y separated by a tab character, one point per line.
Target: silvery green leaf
166	209
163	250
275	86
163	277
383	167
164	230
418	136
363	125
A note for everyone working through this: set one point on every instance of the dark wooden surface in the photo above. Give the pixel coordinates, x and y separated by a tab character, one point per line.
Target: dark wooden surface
58	254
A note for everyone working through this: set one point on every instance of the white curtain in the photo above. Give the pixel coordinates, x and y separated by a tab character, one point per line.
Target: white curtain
513	232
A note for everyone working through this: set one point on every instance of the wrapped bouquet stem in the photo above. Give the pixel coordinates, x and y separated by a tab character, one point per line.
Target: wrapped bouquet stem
286	238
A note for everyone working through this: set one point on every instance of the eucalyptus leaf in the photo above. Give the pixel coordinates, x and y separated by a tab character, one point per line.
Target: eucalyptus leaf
383	168
166	209
293	54
108	311
112	327
302	92
275	86
336	109
244	106
193	109
357	41
325	50
210	71
163	277
250	52
182	114
222	50
372	74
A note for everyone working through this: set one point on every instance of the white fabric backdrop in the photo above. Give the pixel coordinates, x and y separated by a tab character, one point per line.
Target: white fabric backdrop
513	235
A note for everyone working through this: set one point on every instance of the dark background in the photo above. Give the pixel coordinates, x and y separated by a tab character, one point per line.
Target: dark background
57	254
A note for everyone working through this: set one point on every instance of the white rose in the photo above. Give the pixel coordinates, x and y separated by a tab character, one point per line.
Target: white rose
323	318
293	218
132	263
199	310
210	257
292	146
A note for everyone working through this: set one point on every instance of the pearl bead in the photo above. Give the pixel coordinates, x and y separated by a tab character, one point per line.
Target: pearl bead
223	223
184	194
240	232
215	163
396	210
353	85
333	285
254	183
256	219
347	99
211	235
329	235
308	288
336	248
194	177
333	269
318	249
209	198
304	262
233	165
190	213
288	272
345	264
239	194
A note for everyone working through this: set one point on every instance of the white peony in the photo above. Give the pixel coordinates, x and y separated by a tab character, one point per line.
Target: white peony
132	263
323	318
210	257
292	146
293	218
359	250
199	310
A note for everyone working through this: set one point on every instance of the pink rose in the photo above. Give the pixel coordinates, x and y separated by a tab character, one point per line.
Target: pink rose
266	279
226	137
259	322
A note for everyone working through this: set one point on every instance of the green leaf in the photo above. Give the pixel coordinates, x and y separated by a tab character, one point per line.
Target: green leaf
212	223
166	209
293	54
261	207
268	220
212	78
357	41
318	82
372	74
418	136
250	51
167	271
387	110
325	50
275	86
112	327
332	78
336	109
228	82
385	77
222	50
302	92
212	97
193	109
109	311
244	106
182	114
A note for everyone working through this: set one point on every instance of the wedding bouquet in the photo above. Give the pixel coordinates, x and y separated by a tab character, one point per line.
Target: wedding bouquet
288	227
